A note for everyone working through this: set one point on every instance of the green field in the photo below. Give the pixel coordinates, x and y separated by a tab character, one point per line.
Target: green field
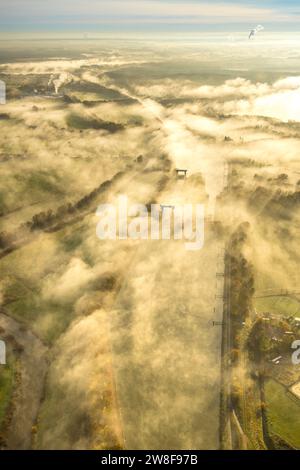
283	414
284	306
6	388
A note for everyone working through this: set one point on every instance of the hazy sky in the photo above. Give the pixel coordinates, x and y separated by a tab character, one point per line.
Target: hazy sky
148	14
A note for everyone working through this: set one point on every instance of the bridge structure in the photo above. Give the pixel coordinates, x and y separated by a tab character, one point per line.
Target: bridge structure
181	173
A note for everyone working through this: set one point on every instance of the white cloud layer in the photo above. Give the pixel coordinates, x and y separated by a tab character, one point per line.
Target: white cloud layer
280	100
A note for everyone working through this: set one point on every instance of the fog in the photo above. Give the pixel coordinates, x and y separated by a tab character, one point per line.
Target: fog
134	358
